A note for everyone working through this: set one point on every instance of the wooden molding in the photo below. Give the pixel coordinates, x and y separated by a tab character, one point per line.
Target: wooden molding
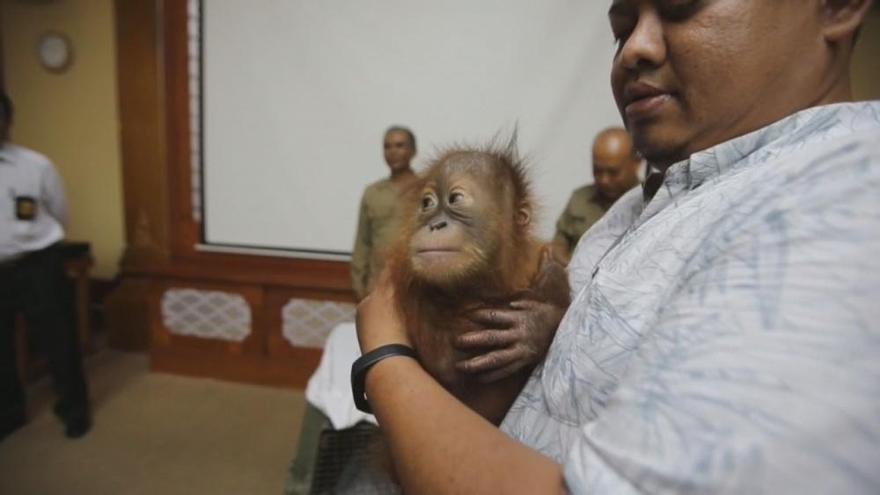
141	111
162	235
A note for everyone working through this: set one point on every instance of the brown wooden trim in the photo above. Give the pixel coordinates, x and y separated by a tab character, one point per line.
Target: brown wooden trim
141	111
186	231
161	234
100	288
320	275
261	370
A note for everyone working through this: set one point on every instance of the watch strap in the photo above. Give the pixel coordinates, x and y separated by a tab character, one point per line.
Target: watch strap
362	365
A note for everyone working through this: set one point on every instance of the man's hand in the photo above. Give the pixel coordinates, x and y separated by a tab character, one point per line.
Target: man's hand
379	321
515	337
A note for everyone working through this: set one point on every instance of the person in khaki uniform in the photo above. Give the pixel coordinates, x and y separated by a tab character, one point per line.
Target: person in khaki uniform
615	171
377	221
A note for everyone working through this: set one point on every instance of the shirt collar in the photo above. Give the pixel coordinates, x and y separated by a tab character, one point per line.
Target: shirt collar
817	123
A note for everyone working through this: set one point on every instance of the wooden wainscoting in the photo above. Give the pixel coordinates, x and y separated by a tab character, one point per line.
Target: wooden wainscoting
162	233
263	354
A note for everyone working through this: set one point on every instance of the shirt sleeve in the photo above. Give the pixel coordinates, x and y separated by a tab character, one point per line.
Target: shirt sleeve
360	256
52	191
761	374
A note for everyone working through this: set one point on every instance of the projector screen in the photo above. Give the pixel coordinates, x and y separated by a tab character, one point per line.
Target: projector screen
296	96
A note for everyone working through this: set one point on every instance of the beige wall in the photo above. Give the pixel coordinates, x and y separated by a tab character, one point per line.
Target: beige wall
866	60
71	117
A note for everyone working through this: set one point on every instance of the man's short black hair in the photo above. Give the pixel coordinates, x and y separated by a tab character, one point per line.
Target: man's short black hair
6	106
405	130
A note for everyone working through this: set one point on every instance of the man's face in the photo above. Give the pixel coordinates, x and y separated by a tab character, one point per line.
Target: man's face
690	74
398	151
615	171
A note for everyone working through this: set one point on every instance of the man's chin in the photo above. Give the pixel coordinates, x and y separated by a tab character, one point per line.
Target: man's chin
658	147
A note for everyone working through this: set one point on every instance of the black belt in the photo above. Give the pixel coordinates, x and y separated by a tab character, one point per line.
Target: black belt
21	258
9	263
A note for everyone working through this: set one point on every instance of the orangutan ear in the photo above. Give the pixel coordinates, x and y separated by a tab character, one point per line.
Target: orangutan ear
523	215
841	19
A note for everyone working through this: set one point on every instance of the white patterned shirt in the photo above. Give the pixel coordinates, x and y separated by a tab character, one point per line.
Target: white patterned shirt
724	337
27	174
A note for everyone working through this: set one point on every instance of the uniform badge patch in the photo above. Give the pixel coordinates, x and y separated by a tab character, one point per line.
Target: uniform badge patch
25	208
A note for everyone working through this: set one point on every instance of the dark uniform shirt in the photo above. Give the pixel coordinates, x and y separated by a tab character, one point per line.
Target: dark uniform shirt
584	208
377	229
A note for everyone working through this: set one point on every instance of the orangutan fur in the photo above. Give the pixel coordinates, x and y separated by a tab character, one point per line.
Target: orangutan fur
467	242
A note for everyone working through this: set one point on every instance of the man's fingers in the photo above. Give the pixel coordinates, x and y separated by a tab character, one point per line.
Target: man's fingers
486	338
494	376
490	362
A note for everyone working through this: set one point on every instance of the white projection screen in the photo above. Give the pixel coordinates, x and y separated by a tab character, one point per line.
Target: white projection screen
296	95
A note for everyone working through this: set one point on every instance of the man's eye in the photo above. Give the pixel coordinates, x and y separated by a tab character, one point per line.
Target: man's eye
673	10
621	30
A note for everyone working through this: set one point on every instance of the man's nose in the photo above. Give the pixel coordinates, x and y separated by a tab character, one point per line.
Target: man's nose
646	45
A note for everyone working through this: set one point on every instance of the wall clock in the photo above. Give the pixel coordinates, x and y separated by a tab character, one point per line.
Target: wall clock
55	51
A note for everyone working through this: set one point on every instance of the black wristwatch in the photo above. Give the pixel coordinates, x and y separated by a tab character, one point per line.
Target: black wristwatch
363	364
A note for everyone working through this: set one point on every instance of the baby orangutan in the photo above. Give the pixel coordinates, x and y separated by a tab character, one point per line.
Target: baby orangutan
467	243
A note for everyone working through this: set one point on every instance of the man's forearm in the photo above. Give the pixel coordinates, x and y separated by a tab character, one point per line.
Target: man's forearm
441	446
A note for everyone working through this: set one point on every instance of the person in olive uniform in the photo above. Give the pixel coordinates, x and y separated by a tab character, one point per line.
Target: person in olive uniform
377	222
615	171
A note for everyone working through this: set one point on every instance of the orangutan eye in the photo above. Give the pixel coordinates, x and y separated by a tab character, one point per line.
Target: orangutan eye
428	202
455	197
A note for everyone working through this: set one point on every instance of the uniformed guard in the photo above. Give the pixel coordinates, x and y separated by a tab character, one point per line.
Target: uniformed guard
378	219
615	171
33	282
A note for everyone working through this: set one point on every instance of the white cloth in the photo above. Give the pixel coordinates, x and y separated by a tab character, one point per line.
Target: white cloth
329	389
725	336
26	173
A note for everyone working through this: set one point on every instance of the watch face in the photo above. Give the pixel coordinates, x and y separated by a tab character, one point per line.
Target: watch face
54	51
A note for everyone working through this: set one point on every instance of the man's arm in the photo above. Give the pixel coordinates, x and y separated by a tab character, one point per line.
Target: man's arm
438	444
52	190
360	256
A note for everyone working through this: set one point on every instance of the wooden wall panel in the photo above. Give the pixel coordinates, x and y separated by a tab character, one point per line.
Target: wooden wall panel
142	133
162	236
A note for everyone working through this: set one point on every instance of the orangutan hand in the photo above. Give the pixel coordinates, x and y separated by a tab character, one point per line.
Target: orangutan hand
514	338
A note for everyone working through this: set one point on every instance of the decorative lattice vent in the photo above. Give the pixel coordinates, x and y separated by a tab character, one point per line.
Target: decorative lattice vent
206	314
307	323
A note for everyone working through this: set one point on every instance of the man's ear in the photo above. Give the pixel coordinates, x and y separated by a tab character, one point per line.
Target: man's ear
841	19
